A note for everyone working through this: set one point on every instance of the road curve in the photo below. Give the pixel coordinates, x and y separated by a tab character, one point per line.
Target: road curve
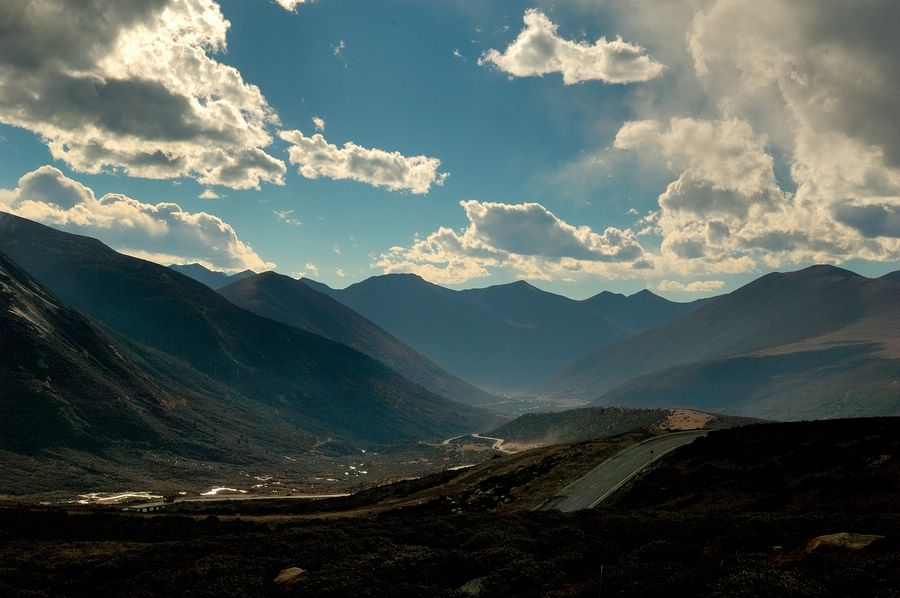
602	481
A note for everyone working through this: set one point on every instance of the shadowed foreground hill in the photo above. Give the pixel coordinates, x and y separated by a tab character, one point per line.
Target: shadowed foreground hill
820	342
83	405
295	303
316	384
504	337
738	513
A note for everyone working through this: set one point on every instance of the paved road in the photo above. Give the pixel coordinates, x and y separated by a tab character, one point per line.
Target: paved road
602	481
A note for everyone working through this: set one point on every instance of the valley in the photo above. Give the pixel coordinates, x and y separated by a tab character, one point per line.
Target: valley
449	298
725	514
270	408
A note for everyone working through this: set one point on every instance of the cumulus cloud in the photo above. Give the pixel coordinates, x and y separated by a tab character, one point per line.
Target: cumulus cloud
209	194
132	85
815	84
697	286
161	232
538	50
526	238
318	123
533	230
316	157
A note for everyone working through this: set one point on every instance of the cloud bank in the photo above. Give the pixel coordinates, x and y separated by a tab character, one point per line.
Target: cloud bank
161	232
778	127
132	86
525	238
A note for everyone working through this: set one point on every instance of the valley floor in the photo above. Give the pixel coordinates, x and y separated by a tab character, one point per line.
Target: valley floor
761	510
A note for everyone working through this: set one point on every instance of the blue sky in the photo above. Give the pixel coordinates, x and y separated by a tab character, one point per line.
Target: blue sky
548	166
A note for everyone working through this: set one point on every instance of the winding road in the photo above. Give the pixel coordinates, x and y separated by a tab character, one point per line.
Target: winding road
602	481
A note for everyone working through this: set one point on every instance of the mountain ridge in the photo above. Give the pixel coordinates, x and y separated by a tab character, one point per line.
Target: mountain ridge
293	302
319	385
798	332
502	338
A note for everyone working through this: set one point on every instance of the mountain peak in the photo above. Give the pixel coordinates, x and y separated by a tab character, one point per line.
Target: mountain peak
823	270
644	294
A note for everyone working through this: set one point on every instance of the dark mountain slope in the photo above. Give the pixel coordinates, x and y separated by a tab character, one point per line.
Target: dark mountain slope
66	383
503	337
820	342
466	339
296	303
314	383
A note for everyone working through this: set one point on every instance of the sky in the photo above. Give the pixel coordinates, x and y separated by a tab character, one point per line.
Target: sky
686	146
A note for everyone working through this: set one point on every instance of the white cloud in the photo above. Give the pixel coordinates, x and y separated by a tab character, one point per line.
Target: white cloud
160	232
312	268
525	238
813	85
316	157
318	123
531	229
131	85
339	272
291	5
538	50
697	286
209	194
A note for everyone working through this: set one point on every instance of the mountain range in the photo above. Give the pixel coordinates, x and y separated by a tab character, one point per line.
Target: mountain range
211	278
104	350
314	384
819	342
503	338
295	303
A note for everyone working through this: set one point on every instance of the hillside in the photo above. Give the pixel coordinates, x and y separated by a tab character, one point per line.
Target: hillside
818	324
506	337
313	383
790	468
295	303
851	380
577	425
741	512
81	407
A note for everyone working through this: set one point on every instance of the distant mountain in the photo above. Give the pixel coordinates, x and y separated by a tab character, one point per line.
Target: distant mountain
211	278
316	384
504	337
296	303
639	312
68	384
821	342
